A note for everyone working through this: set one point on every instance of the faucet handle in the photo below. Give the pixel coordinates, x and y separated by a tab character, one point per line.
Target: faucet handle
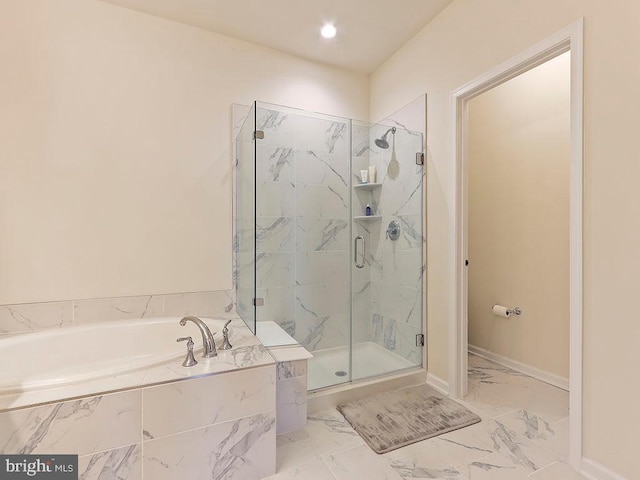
226	345
189	361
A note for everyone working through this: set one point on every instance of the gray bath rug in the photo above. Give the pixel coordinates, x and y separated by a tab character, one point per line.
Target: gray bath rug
395	419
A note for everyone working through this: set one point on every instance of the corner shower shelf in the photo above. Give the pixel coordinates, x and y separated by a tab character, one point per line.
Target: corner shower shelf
368	217
367	186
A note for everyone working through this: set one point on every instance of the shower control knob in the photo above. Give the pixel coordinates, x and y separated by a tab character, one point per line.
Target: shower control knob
393	230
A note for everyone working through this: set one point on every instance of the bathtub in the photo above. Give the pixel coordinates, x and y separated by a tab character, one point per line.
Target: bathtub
114	355
117	395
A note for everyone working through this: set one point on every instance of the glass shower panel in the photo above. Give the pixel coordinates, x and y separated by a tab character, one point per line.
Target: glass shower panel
303	234
387	266
246	220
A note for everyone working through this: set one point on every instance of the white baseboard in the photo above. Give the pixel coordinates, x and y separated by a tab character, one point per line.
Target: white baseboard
438	383
597	471
550	378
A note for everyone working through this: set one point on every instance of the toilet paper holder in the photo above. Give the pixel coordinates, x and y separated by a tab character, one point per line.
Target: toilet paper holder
506	312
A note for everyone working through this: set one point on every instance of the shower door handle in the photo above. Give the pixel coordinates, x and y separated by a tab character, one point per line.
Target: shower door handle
355	251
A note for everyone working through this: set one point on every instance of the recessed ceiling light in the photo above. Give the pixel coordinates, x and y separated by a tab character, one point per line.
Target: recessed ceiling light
328	31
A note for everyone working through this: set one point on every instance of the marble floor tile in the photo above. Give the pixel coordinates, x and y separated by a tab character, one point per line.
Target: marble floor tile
361	462
429	462
313	468
518	449
557	471
493	467
330	432
293	449
524	433
485	404
466	445
559	443
552	436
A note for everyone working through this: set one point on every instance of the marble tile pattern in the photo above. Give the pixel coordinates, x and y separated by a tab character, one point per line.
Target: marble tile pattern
241	449
302	231
291	396
304	208
207	400
123	463
396	267
215	427
82	426
35	316
202	304
291	369
120	308
522	435
29	317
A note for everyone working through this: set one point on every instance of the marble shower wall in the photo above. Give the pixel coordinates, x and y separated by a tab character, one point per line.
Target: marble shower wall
396	267
303	233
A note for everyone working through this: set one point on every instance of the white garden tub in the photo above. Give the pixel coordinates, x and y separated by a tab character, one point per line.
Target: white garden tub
63	356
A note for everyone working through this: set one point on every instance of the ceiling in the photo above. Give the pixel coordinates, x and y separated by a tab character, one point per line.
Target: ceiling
369	31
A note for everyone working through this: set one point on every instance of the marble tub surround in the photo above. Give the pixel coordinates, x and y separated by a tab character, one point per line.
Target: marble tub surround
224	427
291	388
291	379
247	352
219	427
28	317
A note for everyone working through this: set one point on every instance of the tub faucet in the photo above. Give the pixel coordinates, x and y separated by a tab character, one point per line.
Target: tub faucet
207	336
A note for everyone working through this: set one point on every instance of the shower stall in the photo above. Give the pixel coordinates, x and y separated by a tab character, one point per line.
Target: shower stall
334	258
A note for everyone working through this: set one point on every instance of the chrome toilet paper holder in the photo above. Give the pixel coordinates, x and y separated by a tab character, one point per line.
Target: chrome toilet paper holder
502	311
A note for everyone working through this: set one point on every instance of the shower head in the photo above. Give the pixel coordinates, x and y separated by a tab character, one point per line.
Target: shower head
382	142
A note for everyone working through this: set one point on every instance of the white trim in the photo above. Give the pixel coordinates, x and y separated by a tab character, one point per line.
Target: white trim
597	471
542	375
569	38
438	383
575	243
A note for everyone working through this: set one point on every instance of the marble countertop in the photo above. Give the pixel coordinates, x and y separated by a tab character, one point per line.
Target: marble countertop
247	352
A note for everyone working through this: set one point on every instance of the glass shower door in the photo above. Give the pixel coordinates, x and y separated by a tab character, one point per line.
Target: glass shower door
388	243
245	247
303	234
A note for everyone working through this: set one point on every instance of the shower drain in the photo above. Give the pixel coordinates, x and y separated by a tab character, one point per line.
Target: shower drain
341	373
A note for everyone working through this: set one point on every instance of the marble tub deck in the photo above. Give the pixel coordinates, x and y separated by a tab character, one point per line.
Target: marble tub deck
214	420
248	352
524	434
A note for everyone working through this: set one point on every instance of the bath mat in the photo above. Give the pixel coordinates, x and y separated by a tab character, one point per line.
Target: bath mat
391	420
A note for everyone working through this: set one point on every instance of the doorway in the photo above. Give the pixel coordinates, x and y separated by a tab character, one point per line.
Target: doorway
567	40
518	136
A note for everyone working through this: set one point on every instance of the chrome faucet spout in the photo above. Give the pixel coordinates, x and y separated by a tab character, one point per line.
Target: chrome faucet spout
207	337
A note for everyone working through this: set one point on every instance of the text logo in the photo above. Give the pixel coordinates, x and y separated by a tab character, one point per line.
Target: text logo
50	467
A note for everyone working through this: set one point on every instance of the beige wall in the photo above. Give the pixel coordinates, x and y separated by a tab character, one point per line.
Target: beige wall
115	154
518	154
469	38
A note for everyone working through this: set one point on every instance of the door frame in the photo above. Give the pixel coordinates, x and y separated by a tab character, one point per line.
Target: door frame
570	39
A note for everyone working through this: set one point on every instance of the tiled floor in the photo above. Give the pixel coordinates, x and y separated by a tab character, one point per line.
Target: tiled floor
523	435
